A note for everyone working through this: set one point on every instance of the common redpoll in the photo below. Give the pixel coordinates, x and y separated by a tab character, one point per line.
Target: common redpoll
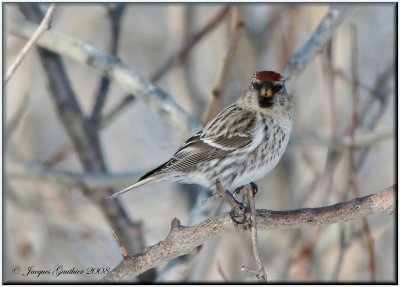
241	144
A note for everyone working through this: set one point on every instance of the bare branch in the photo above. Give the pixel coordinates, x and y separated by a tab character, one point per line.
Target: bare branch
85	138
352	166
224	195
158	100
361	140
221	271
183	52
121	247
71	179
328	25
16	119
219	87
115	12
173	60
106	120
260	273
178	268
43	27
183	239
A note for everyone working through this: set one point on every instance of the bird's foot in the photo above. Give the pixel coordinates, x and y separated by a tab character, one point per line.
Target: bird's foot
238	190
240	214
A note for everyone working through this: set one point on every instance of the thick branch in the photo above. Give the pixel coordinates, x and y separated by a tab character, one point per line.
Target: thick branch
158	100
182	240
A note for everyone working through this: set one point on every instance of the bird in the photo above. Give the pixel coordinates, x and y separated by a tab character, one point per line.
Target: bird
242	144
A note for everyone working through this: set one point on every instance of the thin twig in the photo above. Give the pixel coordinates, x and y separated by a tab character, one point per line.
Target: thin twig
260	274
183	52
183	239
115	12
302	255
16	119
63	151
121	247
221	271
108	118
173	60
361	140
220	84
352	166
224	195
43	27
343	249
327	64
93	180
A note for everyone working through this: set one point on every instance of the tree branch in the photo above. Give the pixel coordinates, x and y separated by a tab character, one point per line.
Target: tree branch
158	100
16	119
183	239
85	138
217	92
328	25
260	272
183	52
115	12
91	180
43	27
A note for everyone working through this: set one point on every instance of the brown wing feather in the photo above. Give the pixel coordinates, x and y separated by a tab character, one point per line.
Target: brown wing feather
213	141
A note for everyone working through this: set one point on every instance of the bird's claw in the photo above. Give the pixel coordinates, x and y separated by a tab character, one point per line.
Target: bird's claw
254	187
240	215
238	190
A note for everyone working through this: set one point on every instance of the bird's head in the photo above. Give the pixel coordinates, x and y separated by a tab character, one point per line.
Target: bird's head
267	93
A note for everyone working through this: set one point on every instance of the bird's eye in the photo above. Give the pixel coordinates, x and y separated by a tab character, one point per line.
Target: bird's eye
277	87
256	86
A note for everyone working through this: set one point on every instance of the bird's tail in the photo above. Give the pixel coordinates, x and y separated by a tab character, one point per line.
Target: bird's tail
142	181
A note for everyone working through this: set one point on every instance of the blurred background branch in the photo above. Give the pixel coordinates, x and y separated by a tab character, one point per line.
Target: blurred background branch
129	79
85	138
43	27
330	154
328	25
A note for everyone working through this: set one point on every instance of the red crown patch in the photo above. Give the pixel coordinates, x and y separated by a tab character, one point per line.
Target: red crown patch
268	75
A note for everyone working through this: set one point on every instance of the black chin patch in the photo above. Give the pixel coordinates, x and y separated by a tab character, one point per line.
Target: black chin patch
265	102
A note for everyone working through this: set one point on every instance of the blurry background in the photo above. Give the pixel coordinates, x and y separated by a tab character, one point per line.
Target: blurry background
48	222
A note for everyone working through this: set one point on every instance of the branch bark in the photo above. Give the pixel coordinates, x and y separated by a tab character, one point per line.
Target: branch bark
183	239
157	99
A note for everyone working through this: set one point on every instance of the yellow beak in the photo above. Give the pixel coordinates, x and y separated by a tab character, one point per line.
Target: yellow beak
266	93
